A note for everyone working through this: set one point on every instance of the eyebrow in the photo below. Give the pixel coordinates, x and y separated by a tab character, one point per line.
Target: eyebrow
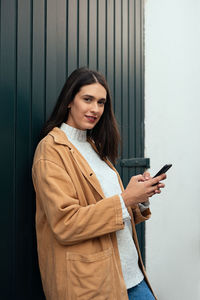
92	97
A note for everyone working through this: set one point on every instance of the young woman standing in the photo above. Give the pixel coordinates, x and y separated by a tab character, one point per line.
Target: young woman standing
85	220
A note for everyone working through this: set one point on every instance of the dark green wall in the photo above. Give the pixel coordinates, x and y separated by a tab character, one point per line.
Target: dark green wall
41	43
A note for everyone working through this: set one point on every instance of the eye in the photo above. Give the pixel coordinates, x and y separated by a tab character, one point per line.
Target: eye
87	99
102	102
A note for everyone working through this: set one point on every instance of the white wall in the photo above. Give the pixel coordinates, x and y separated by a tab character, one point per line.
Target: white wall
172	125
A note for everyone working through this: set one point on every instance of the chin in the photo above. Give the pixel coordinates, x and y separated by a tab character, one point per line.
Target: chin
90	126
86	127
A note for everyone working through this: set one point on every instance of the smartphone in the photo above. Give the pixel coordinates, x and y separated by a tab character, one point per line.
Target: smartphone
164	169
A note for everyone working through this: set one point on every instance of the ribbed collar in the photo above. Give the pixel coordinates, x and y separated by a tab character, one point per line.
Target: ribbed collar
74	134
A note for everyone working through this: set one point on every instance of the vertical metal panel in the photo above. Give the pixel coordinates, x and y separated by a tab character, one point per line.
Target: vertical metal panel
51	63
136	81
43	42
55	51
82	33
101	33
23	239
72	34
7	119
125	91
38	117
110	44
117	96
92	38
38	68
138	76
61	17
131	79
117	61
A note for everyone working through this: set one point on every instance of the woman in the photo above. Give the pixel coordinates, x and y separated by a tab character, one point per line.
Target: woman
85	220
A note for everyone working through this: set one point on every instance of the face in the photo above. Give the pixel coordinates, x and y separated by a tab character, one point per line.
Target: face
87	107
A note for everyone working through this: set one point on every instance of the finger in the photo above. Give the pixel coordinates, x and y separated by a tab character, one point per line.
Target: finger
151	194
154	193
157	191
161	185
146	175
153	189
156	179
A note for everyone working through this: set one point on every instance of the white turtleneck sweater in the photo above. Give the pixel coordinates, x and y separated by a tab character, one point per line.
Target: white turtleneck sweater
110	186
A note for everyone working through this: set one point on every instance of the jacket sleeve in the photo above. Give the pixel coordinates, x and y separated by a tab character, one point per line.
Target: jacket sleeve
140	216
70	222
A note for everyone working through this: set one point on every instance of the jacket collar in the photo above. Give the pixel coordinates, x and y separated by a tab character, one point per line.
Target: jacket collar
59	137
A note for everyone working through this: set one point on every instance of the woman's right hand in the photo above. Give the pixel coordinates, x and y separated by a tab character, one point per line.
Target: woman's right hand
139	189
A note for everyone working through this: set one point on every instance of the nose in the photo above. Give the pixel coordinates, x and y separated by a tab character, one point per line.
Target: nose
94	107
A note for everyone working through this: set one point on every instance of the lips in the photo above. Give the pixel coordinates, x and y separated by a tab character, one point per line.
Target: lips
91	119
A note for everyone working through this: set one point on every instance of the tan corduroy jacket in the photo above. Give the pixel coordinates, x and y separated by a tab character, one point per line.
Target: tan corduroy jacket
76	225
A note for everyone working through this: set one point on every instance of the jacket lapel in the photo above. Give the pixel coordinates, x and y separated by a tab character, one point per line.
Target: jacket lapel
61	138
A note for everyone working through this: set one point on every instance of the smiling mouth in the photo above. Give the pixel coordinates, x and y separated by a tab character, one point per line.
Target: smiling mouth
91	118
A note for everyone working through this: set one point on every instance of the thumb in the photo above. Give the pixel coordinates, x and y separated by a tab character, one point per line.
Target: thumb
139	178
146	175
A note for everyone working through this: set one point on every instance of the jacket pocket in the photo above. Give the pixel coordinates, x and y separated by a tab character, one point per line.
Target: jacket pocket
90	276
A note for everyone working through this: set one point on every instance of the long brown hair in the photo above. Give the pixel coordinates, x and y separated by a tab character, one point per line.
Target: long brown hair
105	134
